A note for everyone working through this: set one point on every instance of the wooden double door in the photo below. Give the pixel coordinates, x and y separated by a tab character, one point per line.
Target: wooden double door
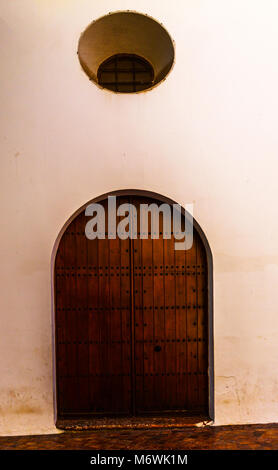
131	323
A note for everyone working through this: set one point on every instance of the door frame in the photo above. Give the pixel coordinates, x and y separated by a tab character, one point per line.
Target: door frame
162	199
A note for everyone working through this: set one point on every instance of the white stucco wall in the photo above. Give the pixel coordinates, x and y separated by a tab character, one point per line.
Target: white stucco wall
207	135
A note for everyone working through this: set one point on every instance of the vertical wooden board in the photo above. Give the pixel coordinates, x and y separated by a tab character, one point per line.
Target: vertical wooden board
126	325
120	321
60	322
159	321
71	305
170	322
202	325
104	318
192	326
94	323
148	322
115	326
142	316
181	329
139	315
59	280
138	323
82	315
64	299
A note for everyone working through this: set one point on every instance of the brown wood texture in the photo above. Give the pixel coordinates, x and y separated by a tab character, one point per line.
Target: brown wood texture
131	323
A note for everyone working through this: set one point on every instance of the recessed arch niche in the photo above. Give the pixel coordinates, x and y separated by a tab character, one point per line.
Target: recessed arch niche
132	321
126	33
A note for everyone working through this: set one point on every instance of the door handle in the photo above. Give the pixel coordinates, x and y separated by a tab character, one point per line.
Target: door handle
157	348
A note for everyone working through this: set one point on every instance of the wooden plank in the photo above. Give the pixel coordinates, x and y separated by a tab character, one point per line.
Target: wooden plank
202	326
159	321
93	323
144	274
82	323
125	278
149	403
138	333
104	399
60	321
70	305
192	326
181	329
170	323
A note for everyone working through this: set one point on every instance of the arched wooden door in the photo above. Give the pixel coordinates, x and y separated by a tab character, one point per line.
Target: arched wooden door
131	322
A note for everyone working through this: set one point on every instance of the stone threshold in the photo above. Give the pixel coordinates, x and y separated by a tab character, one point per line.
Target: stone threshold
134	422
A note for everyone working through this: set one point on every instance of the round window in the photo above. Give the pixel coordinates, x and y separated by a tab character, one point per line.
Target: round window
126	52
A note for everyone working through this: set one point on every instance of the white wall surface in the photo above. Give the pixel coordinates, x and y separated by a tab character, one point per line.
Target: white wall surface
207	135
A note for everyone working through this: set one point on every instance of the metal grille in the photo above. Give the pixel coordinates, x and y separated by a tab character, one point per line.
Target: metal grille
126	73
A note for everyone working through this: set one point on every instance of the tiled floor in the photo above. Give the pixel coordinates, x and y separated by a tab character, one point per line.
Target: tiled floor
189	437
